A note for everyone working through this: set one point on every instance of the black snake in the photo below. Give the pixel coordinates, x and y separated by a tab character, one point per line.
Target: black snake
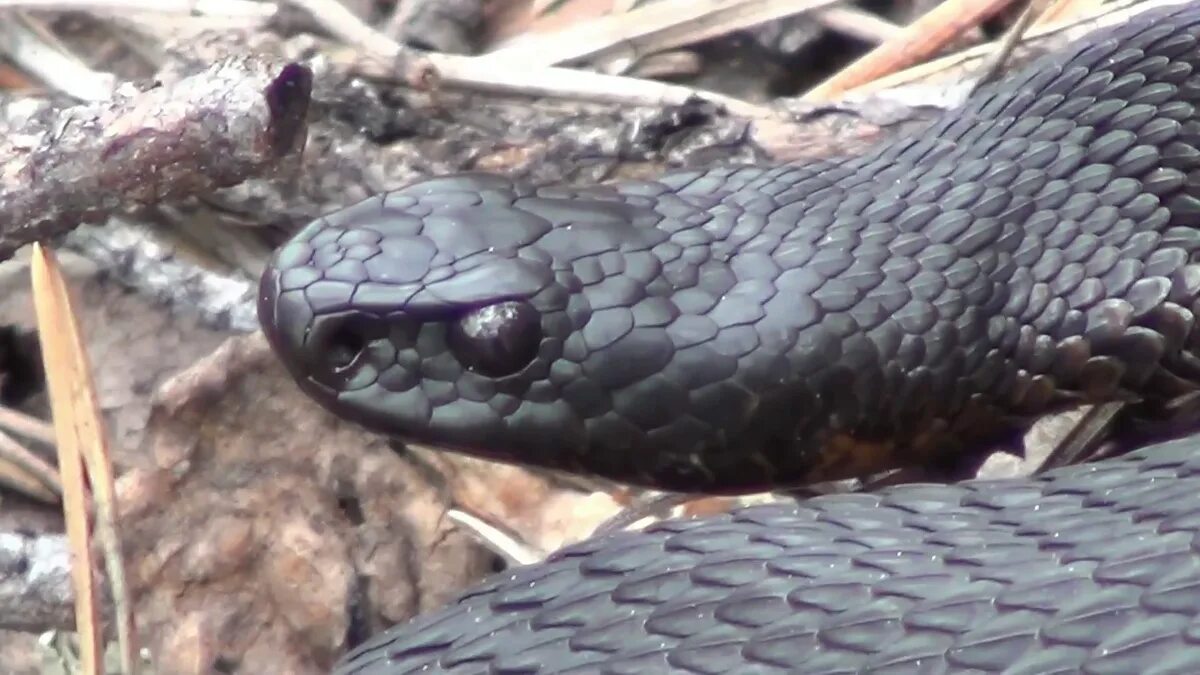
748	327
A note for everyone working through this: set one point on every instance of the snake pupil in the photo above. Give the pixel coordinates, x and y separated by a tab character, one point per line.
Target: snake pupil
497	340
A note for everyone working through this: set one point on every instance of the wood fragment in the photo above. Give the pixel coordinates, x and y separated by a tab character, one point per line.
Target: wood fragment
1084	437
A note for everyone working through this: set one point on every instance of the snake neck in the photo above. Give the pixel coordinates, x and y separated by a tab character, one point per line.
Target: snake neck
1030	252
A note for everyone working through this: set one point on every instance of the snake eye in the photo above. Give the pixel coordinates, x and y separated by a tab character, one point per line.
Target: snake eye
497	340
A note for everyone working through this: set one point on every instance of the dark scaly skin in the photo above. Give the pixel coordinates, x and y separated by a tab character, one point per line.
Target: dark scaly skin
735	329
1090	569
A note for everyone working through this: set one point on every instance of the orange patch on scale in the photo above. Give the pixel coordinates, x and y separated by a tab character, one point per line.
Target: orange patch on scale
845	456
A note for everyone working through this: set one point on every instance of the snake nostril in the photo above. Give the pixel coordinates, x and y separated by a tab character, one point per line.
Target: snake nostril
345	346
340	343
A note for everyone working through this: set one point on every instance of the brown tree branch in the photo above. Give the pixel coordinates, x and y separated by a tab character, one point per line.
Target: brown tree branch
232	121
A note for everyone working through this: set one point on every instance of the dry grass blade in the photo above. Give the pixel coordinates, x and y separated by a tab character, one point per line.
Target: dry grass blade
14	477
248	9
919	41
59	374
859	24
545	6
83	455
32	47
499	541
27	472
1063	10
555	81
481	73
994	65
950	65
657	26
24	425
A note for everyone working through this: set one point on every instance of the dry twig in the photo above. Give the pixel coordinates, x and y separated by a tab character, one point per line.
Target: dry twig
237	119
482	73
568	82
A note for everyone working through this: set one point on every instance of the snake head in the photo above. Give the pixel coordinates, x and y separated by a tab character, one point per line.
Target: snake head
477	314
405	312
601	330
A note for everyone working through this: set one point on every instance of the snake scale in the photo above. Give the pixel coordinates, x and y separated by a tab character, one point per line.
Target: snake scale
737	328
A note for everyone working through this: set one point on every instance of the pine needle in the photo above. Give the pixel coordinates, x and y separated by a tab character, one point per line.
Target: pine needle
82	455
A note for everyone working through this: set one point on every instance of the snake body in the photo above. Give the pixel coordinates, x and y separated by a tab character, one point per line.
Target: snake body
740	328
